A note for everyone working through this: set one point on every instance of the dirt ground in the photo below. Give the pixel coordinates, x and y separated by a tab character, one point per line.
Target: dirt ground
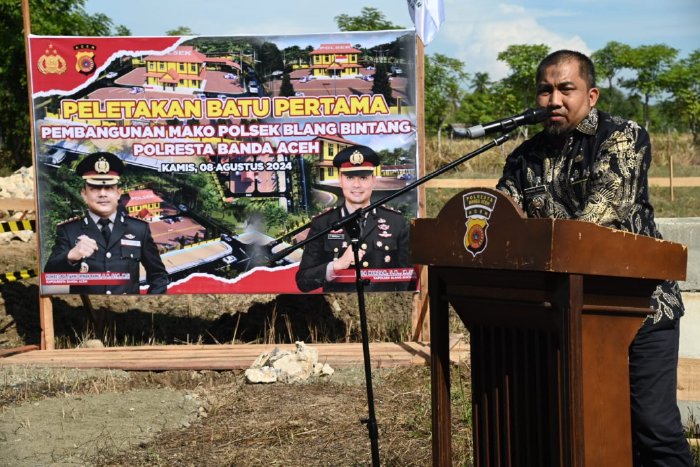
68	417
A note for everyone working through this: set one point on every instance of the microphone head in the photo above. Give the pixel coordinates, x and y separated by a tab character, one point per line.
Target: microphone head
475	132
537	115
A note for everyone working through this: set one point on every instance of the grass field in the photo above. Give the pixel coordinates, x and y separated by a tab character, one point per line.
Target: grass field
668	150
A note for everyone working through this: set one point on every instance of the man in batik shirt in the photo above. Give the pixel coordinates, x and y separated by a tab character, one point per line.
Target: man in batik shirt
591	166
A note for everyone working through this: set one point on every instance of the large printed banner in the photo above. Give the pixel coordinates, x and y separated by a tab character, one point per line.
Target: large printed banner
225	152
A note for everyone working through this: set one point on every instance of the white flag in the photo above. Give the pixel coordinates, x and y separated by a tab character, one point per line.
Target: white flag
427	16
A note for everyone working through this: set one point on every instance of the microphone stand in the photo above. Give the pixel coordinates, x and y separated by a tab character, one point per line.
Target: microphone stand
351	224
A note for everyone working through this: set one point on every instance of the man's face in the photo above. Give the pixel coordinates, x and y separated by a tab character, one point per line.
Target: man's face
357	189
566	93
101	200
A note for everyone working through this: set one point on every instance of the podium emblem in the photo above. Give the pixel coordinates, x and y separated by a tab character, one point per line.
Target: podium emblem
478	206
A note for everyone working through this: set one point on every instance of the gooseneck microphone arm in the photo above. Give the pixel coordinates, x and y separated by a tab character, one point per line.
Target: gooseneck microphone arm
361	211
529	117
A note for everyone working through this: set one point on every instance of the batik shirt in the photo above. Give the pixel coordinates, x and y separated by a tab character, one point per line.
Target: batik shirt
598	174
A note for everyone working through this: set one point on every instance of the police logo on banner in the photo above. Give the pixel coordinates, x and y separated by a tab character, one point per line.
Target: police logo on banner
84	58
51	62
478	207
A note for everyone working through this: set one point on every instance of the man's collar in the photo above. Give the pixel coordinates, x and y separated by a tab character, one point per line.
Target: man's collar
589	125
345	210
95	217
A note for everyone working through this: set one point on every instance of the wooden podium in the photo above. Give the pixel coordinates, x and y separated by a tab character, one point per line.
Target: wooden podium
551	307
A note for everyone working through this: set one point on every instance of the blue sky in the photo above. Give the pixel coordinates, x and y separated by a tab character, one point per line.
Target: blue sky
474	31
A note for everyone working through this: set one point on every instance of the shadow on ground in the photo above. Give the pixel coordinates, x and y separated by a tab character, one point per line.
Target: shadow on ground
208	319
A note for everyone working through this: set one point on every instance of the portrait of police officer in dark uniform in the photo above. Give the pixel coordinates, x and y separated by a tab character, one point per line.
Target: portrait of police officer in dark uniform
106	239
384	241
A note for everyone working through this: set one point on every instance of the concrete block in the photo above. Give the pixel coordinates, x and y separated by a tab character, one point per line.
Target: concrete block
690	326
689	358
685	230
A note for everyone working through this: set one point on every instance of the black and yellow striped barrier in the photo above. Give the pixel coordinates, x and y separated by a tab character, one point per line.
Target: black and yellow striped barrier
16	226
17	275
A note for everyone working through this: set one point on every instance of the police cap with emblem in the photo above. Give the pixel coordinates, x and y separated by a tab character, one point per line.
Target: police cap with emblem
100	169
356	160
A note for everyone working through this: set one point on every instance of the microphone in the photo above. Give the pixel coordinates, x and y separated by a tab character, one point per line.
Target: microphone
529	117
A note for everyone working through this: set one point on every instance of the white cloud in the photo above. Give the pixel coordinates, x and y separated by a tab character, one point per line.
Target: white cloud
478	42
506	8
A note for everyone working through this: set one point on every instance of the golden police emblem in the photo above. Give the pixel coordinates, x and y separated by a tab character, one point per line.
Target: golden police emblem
356	158
51	62
102	166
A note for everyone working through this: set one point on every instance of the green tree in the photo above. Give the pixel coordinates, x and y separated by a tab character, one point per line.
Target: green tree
484	102
180	31
650	62
625	106
682	80
370	19
270	57
381	84
608	62
275	216
485	106
286	88
48	17
481	83
295	55
523	61
443	91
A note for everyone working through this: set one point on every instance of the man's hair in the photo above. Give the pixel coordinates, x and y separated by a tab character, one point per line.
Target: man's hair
586	67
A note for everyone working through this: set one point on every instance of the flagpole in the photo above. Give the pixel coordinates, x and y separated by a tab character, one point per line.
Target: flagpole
427	16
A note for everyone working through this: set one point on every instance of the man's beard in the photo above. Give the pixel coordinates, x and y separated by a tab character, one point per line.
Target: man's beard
556	130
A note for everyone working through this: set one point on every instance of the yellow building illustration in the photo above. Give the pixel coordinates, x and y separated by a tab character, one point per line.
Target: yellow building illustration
330	145
184	67
335	61
144	205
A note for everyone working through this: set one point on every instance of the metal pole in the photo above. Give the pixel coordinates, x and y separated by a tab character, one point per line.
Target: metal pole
353	229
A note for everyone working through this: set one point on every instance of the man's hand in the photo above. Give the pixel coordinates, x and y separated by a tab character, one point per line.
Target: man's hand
85	247
347	260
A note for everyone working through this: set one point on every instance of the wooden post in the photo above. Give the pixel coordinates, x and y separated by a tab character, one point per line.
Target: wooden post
46	321
420	317
670	173
45	306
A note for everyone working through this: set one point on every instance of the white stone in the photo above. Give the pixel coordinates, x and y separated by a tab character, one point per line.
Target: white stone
327	370
306	353
262	360
291	369
288	367
261	375
92	344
